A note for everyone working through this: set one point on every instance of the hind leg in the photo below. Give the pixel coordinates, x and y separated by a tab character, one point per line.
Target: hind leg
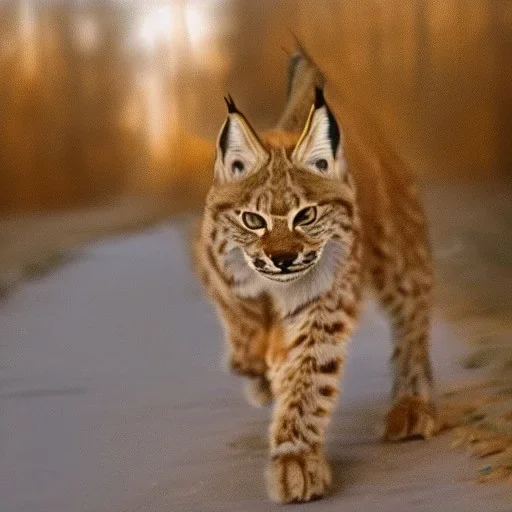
412	412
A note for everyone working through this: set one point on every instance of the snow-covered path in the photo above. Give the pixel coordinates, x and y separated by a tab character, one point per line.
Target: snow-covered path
112	400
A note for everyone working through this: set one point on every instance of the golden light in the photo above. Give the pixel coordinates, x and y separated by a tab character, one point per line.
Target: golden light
87	33
198	25
156	26
27	26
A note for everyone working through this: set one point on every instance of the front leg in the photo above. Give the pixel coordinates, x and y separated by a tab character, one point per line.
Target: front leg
413	412
306	385
408	302
244	319
246	325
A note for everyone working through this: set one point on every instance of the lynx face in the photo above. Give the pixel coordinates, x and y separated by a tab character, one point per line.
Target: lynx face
283	251
281	203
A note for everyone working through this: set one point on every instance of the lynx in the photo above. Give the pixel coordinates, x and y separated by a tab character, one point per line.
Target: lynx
298	221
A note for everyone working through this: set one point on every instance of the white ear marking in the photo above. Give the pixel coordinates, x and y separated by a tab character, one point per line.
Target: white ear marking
318	148
239	151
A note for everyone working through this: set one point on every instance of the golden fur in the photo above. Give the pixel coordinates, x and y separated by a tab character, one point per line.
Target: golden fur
297	221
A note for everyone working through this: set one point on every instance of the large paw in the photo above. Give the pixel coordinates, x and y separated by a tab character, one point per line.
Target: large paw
258	392
246	366
247	357
294	478
411	417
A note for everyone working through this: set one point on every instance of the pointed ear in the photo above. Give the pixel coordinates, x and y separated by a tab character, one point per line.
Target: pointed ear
239	150
319	148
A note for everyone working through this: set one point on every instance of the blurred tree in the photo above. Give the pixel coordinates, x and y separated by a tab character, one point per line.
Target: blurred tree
97	97
62	92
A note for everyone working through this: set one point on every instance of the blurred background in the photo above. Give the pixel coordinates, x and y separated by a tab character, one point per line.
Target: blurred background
108	115
104	98
109	111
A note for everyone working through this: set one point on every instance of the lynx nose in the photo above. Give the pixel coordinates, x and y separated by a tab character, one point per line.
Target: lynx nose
283	260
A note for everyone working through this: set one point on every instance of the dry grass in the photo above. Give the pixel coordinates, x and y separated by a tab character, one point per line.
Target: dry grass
474	263
480	416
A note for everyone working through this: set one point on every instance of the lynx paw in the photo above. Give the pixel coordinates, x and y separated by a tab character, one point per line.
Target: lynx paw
258	392
410	417
244	365
301	477
247	357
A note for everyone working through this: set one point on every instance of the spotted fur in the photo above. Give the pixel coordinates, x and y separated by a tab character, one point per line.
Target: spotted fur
297	222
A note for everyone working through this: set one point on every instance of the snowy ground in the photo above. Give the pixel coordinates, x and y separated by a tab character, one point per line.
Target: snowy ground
112	400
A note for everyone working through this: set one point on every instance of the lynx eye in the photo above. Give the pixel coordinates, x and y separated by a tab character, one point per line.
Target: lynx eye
305	216
253	220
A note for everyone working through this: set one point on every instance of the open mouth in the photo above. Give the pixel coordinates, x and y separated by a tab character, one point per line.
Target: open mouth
285	275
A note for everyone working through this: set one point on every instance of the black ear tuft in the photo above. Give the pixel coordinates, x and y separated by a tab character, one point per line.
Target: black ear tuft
231	104
319	98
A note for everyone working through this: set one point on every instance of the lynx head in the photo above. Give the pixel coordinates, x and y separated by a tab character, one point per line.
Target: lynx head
282	198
